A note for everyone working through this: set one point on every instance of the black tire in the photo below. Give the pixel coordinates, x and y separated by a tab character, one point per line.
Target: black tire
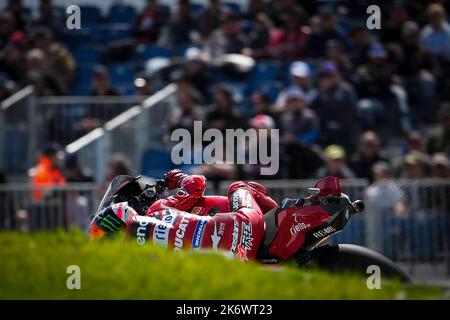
354	258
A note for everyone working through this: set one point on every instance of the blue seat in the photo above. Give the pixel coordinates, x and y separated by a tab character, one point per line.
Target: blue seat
121	14
155	51
90	15
264	72
122	72
156	163
87	55
112	35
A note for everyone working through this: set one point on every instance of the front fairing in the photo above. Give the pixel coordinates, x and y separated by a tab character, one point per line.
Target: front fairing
116	184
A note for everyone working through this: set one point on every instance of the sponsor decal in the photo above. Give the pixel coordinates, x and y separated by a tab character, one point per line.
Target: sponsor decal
216	236
299	227
241	253
241	198
324	232
198	234
141	232
161	230
235	239
197	210
246	235
179	234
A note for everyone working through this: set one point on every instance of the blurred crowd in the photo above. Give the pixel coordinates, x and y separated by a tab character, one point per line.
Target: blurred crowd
347	100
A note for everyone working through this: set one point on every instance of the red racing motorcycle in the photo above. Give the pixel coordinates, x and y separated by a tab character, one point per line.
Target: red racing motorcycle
321	213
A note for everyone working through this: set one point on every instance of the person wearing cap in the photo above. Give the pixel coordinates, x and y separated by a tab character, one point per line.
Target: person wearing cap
47	172
335	164
335	106
435	36
438	138
298	123
300	73
440	166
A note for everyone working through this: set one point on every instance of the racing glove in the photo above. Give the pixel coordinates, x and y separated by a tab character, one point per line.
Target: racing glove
173	178
111	220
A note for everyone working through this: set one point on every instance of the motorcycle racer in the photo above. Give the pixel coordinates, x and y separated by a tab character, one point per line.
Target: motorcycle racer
240	231
190	197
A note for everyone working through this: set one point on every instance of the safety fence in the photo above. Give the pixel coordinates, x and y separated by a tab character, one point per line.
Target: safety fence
130	133
28	122
407	220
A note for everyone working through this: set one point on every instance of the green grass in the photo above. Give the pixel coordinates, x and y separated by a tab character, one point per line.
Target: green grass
33	266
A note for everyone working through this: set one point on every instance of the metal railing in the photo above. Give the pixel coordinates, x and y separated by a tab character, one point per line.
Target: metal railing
27	122
27	208
129	133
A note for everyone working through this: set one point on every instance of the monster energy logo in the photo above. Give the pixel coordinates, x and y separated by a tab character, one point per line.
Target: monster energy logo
109	223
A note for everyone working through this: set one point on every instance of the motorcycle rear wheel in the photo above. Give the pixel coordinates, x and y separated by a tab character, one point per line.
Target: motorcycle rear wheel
354	258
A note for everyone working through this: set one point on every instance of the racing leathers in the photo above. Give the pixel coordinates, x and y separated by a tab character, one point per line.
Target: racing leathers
238	232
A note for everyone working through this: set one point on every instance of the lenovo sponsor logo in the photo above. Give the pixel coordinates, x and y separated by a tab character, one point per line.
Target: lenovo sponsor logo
161	230
141	232
179	234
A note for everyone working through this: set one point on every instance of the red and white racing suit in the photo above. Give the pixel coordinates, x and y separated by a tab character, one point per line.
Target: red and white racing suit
190	198
238	232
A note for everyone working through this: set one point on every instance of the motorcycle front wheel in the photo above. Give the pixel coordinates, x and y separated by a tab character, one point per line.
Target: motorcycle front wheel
357	259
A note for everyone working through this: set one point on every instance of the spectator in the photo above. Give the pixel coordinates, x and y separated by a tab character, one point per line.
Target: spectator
415	165
298	122
210	19
360	42
326	30
368	154
256	37
7	28
435	37
301	75
149	23
58	60
227	38
289	40
335	106
186	113
101	81
440	166
335	52
182	28
335	164
118	165
49	16
12	57
223	114
438	139
261	105
17	10
397	15
416	67
74	173
45	80
263	124
143	85
383	197
47	172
